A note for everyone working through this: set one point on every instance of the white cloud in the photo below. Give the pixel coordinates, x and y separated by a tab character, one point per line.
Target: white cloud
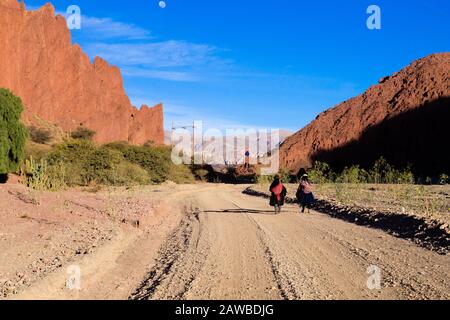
107	28
164	54
132	48
160	74
171	60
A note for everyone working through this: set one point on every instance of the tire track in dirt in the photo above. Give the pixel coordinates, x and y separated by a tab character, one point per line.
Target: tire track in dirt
284	285
180	260
231	246
295	278
338	254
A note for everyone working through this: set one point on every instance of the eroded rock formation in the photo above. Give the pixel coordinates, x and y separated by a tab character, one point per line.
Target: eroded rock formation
58	83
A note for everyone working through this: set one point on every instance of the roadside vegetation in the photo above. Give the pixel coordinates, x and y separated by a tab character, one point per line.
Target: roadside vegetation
381	173
81	162
13	134
77	161
382	187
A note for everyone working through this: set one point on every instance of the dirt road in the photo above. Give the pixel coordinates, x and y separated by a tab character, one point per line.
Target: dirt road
217	243
233	247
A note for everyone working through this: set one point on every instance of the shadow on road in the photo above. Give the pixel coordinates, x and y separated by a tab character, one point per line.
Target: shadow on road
242	210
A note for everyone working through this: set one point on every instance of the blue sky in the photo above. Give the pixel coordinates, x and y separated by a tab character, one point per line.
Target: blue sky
261	64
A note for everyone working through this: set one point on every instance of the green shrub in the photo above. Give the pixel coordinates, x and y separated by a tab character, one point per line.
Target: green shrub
149	143
128	173
39	135
201	174
181	174
40	175
13	134
320	173
443	179
83	134
380	171
284	175
87	163
36	151
405	177
383	172
353	175
264	179
156	160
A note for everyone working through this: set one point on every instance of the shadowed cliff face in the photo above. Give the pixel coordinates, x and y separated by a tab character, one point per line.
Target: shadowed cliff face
419	137
403	118
58	83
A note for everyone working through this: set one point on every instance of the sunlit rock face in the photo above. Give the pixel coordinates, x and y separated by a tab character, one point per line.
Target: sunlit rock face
58	83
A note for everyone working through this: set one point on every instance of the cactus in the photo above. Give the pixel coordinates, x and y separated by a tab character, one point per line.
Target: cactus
39	175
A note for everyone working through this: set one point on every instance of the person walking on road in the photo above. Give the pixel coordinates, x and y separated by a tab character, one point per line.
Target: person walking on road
278	194
247	159
305	195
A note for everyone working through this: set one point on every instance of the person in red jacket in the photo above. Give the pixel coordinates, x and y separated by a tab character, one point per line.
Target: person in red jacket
278	194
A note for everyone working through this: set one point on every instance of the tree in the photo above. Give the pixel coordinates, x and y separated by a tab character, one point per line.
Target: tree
13	133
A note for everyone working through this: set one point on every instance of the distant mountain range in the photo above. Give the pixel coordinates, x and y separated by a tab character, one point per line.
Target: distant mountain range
239	146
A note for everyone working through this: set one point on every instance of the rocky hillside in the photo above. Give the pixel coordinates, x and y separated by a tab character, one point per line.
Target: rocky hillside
58	83
403	118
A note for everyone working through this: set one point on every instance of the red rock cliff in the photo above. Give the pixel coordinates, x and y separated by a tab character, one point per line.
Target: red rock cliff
58	83
404	118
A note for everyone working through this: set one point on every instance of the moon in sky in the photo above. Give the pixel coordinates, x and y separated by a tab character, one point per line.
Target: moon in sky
162	4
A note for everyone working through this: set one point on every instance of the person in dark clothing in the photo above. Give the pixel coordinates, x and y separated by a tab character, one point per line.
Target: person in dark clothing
305	195
278	194
247	160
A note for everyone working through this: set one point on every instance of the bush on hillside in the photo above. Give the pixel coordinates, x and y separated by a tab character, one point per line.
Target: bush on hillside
36	151
89	164
155	160
39	135
83	133
13	134
84	163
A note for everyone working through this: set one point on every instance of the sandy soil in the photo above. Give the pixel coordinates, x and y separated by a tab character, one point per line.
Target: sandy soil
199	242
112	235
